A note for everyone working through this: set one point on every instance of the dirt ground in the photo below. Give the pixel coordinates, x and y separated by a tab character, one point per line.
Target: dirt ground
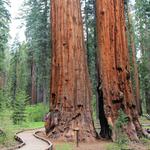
97	145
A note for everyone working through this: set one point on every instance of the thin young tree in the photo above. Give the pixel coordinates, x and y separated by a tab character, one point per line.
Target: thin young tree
70	94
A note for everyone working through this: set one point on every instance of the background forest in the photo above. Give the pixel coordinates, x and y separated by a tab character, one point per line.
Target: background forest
25	66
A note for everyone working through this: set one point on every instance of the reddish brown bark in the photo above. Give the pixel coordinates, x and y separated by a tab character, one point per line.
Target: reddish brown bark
70	96
115	87
135	67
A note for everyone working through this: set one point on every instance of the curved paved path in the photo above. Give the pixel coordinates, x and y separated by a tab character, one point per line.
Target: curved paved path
32	143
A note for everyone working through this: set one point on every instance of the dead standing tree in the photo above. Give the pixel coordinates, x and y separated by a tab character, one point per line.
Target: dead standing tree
115	89
70	94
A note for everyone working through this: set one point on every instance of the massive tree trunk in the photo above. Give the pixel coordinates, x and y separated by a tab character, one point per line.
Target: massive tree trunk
115	89
70	95
135	67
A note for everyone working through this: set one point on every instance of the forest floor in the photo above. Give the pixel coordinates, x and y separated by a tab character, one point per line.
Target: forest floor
31	141
102	144
10	131
99	145
58	145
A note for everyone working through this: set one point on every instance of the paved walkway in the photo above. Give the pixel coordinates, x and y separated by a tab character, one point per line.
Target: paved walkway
32	143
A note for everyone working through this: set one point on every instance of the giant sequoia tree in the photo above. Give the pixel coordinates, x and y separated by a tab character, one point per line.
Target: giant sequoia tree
70	96
115	89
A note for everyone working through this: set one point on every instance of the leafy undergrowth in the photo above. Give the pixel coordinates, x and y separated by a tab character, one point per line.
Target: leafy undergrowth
9	129
35	113
115	146
33	118
125	144
143	145
146	143
145	122
64	146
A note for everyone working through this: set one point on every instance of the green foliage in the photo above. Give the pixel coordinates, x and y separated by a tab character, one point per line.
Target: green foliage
6	125
115	146
18	70
2	137
122	119
64	146
94	107
121	141
142	21
5	100
36	112
19	107
9	129
90	38
121	137
4	30
2	100
146	142
37	20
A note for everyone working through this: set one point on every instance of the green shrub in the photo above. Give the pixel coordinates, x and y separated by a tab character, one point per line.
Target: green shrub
121	141
36	112
122	119
20	103
6	125
2	100
5	100
121	137
64	146
94	107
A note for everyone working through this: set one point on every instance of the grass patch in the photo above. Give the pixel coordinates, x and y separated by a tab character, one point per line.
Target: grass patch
64	146
144	120
6	124
32	125
9	129
115	146
146	142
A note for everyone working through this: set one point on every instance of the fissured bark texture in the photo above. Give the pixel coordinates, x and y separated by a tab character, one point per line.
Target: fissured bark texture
115	87
70	95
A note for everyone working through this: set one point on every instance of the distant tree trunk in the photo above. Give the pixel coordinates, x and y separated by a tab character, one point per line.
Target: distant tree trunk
135	67
2	81
44	55
115	89
14	79
33	79
70	95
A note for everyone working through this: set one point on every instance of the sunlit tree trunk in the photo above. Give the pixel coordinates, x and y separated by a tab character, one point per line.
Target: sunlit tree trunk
70	95
115	89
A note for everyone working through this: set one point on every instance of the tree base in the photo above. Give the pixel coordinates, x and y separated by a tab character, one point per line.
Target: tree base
63	126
